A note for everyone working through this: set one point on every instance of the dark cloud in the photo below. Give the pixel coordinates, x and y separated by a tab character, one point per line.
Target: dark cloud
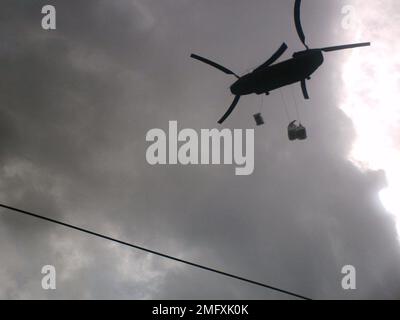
76	105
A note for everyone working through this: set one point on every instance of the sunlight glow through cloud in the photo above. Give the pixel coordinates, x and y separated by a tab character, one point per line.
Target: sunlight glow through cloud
371	96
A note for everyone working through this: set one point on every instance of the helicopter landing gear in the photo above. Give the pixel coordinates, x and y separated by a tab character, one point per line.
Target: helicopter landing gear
296	132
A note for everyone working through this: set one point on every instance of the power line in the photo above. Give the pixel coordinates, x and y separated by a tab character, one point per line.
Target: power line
153	252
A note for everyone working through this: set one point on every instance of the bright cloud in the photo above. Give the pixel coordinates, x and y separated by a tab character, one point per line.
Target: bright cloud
371	95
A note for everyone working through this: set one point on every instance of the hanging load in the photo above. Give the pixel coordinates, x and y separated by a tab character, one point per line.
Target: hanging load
292	131
259	119
296	132
301	132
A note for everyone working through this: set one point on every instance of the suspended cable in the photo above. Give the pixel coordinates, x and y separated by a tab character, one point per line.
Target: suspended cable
262	103
295	103
285	105
154	252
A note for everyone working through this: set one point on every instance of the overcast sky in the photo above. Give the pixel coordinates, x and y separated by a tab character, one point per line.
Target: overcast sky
75	107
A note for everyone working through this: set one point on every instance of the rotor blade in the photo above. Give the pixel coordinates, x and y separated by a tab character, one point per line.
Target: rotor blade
297	22
213	64
231	108
274	57
347	46
304	89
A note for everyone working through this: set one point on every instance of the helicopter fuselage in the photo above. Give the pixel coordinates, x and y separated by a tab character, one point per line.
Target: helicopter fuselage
300	67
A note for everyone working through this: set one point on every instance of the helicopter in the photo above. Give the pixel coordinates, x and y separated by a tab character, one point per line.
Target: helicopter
269	76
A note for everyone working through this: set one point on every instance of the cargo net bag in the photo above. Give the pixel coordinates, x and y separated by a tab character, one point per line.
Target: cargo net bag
296	132
259	119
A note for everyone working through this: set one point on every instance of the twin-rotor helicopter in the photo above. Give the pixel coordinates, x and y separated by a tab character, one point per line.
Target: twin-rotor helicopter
269	76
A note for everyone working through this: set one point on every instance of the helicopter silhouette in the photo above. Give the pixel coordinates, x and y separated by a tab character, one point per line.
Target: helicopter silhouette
269	76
